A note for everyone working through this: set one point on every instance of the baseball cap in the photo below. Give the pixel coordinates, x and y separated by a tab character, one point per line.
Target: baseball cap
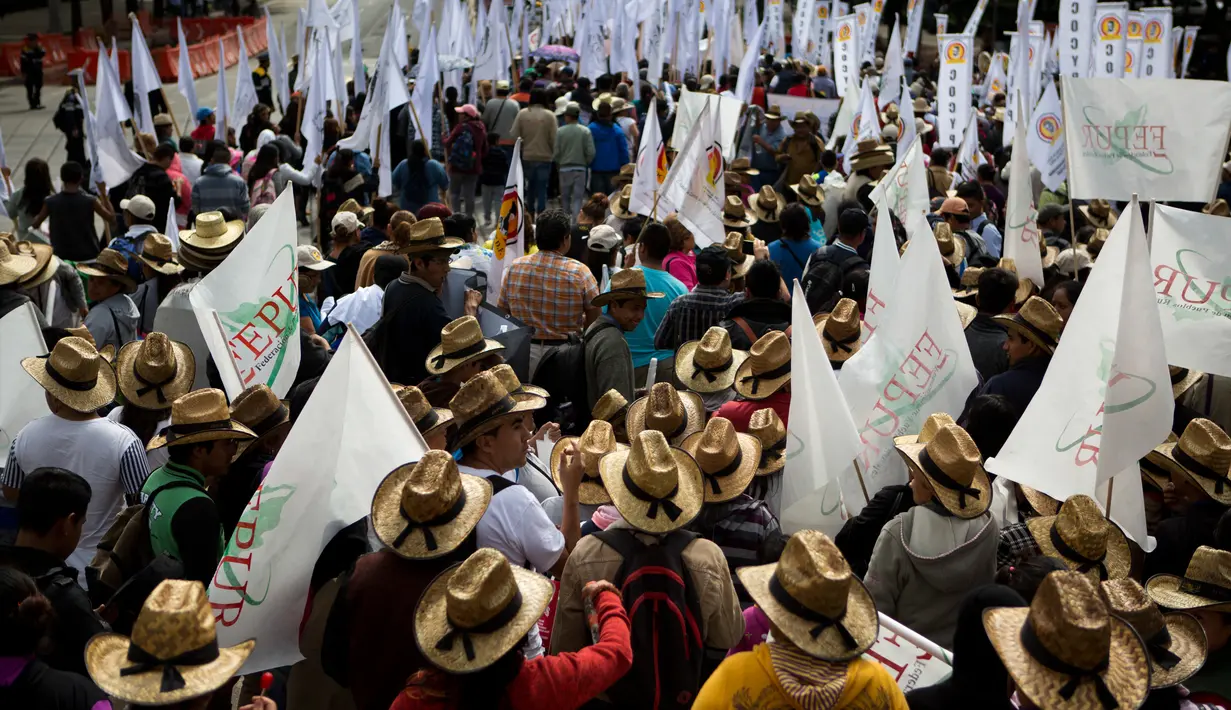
469	110
573	109
348	220
502	85
603	238
713	260
139	206
955	206
203	113
309	257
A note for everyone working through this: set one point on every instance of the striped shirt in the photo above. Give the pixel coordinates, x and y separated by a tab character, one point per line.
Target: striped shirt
740	527
549	292
690	315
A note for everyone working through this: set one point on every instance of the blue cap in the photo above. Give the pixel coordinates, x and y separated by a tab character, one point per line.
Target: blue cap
204	113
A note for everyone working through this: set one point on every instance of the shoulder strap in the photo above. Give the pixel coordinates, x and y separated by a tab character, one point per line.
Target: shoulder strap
787	245
743	325
499	483
622	541
603	325
678	540
173	484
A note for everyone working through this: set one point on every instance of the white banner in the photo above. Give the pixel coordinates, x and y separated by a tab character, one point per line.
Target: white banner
912	660
145	78
1134	46
863	15
688	110
888	263
510	240
253	296
972	24
775	38
870	33
953	98
894	71
1156	34
845	52
185	82
1045	141
905	189
864	124
1021	238
651	165
700	208
24	399
1190	40
801	27
914	25
942	24
1159	141
1190	256
1111	34
997	80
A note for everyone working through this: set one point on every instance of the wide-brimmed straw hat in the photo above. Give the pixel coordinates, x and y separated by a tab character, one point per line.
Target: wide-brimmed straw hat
840	330
968	285
740	262
1037	321
15	266
429	235
1099	214
259	409
728	460
1183	379
43	256
158	254
767	368
952	250
676	414
931	425
809	192
767	204
656	487
173	654
871	153
611	408
483	404
1048	255
965	313
734	214
155	372
1202	456
110	264
709	364
1083	539
426	509
624	178
742	166
595	442
1065	651
212	234
1217	208
619	206
1206	583
516	387
427	419
1025	287
475	612
625	284
461	341
811	595
767	427
75	374
953	466
199	416
1175	642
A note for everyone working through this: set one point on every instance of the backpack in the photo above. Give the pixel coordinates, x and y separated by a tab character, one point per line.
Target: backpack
562	372
263	191
665	616
822	281
125	548
463	155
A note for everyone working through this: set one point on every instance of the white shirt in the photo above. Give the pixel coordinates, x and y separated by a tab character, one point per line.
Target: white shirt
158	457
190	165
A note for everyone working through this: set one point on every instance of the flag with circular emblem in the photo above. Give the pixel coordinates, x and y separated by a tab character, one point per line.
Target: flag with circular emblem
510	241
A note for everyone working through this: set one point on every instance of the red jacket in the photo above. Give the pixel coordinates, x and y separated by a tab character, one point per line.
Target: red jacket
740	411
563	682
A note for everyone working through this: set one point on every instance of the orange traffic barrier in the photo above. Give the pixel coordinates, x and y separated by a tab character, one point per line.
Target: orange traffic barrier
202	55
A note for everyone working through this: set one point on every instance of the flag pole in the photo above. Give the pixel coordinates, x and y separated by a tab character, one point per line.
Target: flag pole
1111	483
862	486
1073	232
418	126
445	119
512	58
166	102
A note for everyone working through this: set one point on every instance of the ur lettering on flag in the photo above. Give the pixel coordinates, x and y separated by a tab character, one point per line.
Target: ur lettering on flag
1190	41
651	167
912	660
953	98
248	306
845	52
1156	36
917	364
885	273
350	435
1190	256
184	82
1111	34
1163	141
1045	140
144	77
24	399
510	241
1021	238
1105	400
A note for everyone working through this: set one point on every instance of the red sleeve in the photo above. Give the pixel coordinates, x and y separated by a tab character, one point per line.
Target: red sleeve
570	680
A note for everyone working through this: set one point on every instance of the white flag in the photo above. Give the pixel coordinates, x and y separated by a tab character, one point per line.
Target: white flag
651	165
1111	34
245	90
510	241
1190	257
1177	41
914	24
401	52
846	113
24	400
884	274
1106	398
1019	76
172	230
895	69
1162	141
865	124
1021	238
801	27
319	15
845	53
254	299
700	209
776	38
284	78
953	111
1156	51
906	112
1190	40
144	77
751	21
674	188
425	85
972	24
313	125
277	62
184	82
222	110
343	17
969	157
114	161
942	25
997	79
1045	139
349	436
301	37
748	68
905	187
358	75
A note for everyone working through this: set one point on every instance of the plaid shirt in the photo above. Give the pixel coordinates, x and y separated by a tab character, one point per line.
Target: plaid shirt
549	292
741	528
690	315
1016	545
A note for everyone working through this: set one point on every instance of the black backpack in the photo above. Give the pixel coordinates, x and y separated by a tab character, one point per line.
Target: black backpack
822	281
665	616
562	372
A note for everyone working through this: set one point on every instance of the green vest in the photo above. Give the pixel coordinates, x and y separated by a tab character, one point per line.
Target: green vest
163	509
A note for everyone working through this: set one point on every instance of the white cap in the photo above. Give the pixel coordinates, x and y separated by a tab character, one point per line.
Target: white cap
309	257
603	238
348	220
139	205
1070	260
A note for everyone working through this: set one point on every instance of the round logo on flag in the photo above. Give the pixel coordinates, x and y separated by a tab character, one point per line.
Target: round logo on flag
1048	127
661	164
1154	31
1128	62
855	124
955	53
1134	29
715	166
1109	28
844	32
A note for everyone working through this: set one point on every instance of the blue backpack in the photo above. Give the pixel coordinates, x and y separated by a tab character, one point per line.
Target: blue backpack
463	155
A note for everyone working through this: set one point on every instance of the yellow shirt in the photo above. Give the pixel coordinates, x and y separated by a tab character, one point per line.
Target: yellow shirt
532	250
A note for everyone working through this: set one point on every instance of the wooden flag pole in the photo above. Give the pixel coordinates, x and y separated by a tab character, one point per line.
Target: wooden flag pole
1111	484
1073	233
170	111
862	485
512	57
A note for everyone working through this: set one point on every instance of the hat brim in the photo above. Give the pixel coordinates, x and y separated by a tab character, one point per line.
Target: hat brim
43	255
1188	641
1117	559
694	412
235	430
444	418
522	403
685	360
1095	221
830	351
1191	378
167	268
106	655
1025	289
489	346
950	499
94	272
748	221
43	275
388	523
17	267
318	266
875	159
247	444
200	261
1154	478
591	491
431	622
1050	254
607	297
84	401
740	269
765	215
213	245
445	244
1207	486
765	387
1127	675
1011	323
807	199
966	313
130	386
860	618
689	497
959	250
1042	503
1164	590
621	213
737	481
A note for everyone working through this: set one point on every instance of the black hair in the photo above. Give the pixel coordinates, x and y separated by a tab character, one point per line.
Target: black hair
1071	288
632	228
38	186
387	269
852	222
971	189
829	160
218	152
187	144
267	159
382	212
538	97
710	256
1025	577
941	156
486	688
460	225
1084	234
760	489
657	240
1222	532
796	222
343	162
144	422
165	151
71	172
986	171
763	279
25	614
182	454
997	290
989	420
551	229
855	286
49	495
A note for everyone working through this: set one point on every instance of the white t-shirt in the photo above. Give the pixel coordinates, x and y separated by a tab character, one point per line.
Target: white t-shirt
158	457
106	454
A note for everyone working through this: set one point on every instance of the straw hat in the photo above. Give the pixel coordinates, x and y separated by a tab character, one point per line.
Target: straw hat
1206	583
931	425
1083	539
619	206
656	487
953	251
461	341
968	285
429	235
1025	287
1202	456
1217	208
45	267
1048	255
110	264
516	387
709	364
1065	651
767	427
1175	642
676	414
740	262
767	204
871	153
728	460
625	284
213	235
610	408
595	442
15	267
428	419
742	166
483	404
259	409
920	105
1099	214
809	192
966	313
1183	379
1156	468
426	509
840	331
734	214
1037	321
953	466
774	113
474	613
173	654
199	416
155	372
157	254
811	595
75	374
625	177
767	368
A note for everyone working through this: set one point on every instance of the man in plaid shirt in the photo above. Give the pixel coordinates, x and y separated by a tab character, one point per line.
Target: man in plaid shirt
690	315
548	290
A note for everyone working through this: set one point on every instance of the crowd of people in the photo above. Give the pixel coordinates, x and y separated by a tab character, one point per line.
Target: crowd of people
659	370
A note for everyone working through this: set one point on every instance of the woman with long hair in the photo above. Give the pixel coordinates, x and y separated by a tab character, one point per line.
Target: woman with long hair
25	203
419	179
262	188
592	213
